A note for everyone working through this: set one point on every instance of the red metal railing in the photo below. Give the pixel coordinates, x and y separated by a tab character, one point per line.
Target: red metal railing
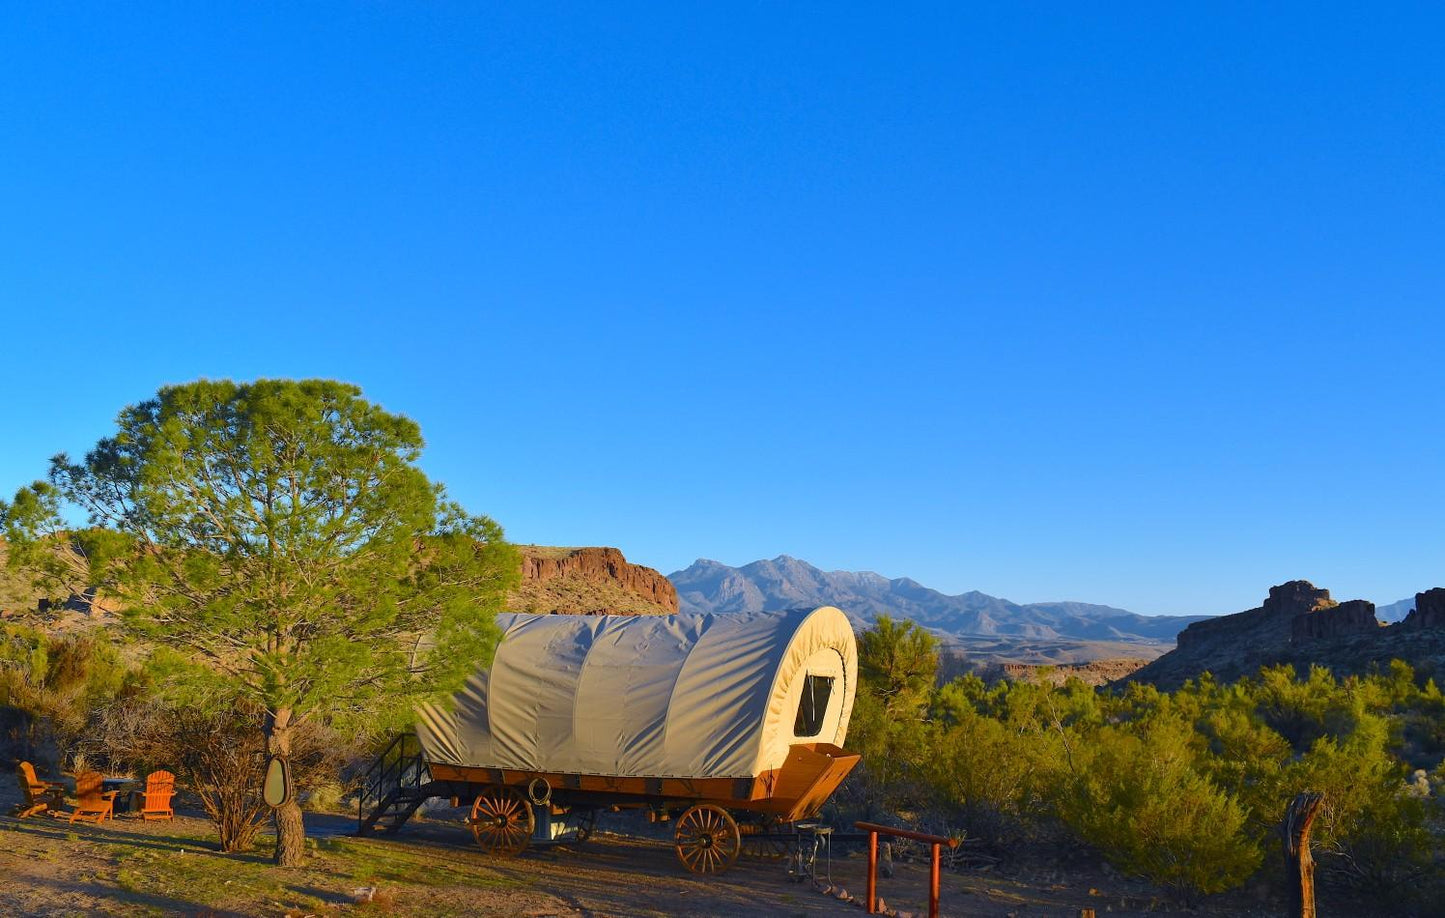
874	830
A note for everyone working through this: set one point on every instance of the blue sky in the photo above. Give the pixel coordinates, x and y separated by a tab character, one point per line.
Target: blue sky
1140	306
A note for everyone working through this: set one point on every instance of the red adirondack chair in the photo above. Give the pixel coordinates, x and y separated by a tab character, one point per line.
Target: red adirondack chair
156	798
39	796
93	804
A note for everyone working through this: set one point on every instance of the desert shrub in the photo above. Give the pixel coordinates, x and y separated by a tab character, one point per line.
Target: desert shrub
217	752
898	664
1236	750
1137	797
1303	710
324	796
894	749
987	773
1370	827
51	689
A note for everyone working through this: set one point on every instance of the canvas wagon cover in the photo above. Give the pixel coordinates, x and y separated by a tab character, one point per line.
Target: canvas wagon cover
681	696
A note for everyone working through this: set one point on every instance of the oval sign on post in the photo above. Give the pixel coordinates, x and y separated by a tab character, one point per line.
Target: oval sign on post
276	790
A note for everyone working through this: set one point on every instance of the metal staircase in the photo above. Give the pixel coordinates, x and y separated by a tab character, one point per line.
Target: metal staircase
394	786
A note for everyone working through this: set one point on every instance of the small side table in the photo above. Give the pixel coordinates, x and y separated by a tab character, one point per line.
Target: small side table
813	838
125	790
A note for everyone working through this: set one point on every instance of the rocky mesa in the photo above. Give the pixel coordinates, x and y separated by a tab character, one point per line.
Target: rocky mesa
1301	625
589	581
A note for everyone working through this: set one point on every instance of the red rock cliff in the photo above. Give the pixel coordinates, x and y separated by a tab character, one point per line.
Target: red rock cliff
590	581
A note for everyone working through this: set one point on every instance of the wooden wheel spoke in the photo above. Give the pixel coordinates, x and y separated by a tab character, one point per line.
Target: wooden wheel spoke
502	821
707	839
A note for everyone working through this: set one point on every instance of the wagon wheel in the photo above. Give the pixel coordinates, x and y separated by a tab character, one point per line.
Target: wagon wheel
707	839
760	839
502	821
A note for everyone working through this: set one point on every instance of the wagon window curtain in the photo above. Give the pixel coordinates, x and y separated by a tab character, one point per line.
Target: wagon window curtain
813	705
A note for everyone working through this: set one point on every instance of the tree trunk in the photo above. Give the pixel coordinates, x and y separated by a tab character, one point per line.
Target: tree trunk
290	830
1299	862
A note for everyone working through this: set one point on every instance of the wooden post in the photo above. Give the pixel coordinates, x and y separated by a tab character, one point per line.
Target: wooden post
871	898
1298	861
874	830
933	881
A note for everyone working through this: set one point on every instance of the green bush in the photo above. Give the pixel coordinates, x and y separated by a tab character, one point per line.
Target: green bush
1137	797
51	689
1186	788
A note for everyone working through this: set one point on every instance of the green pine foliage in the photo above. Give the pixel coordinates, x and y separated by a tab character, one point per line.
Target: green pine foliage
282	535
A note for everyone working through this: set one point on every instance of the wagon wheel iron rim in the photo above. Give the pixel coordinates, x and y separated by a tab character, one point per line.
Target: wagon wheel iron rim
502	821
708	840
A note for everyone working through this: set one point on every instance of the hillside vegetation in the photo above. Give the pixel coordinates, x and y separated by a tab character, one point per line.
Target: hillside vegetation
1186	787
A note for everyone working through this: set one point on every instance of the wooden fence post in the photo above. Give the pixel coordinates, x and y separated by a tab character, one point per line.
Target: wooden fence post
933	884
1298	861
871	896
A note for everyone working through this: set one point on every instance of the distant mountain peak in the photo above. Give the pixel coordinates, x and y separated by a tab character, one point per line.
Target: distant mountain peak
788	582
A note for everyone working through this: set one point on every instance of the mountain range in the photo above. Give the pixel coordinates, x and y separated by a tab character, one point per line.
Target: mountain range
1395	611
786	582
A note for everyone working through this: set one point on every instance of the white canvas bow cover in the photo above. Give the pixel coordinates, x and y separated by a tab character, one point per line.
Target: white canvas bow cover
674	696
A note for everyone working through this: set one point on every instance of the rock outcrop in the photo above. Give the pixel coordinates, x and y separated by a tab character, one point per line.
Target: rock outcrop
1429	610
1354	617
1299	624
589	581
1271	623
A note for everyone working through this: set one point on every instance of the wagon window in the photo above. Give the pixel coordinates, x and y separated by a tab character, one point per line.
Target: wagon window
814	703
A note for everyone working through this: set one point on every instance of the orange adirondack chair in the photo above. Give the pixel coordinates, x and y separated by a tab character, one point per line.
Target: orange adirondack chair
156	798
92	804
39	796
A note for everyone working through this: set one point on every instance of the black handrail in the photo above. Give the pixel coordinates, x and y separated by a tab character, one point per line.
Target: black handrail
400	766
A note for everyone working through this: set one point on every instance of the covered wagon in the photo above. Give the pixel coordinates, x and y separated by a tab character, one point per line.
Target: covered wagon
728	723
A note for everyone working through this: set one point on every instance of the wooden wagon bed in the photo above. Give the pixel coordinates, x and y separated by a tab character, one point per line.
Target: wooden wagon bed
795	791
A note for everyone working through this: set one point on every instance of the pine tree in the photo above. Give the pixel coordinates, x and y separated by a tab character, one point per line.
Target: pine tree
281	533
